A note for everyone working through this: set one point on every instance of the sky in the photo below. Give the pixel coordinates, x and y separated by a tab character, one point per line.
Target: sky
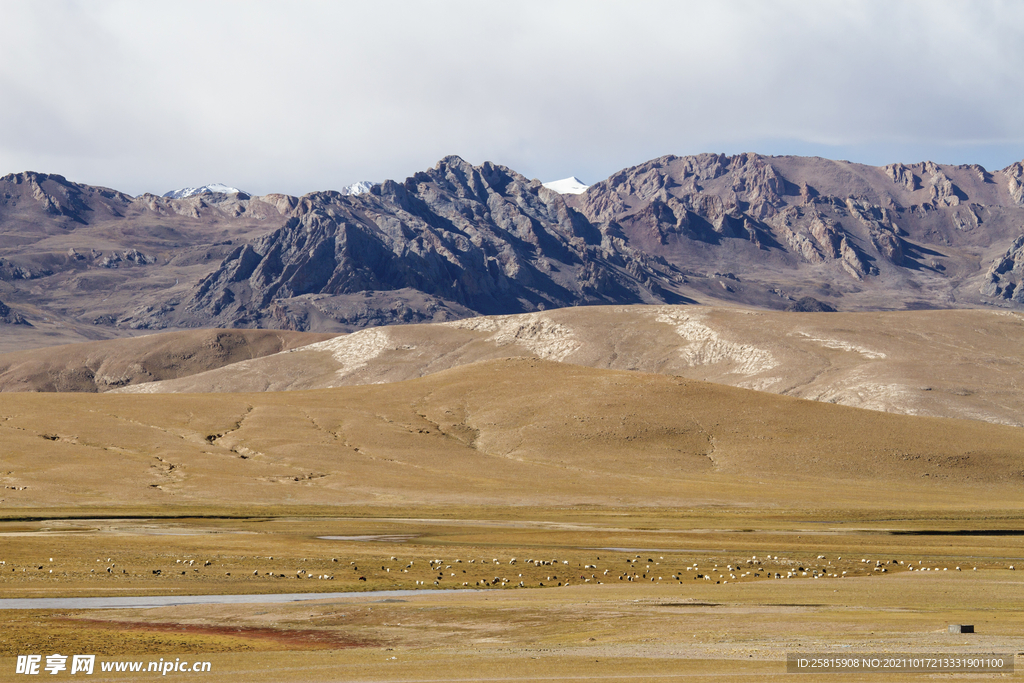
309	95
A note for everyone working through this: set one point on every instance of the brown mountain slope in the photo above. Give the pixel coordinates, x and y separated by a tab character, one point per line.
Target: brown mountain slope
504	432
105	365
961	364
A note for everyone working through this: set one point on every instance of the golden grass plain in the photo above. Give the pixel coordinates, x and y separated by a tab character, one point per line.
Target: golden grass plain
656	627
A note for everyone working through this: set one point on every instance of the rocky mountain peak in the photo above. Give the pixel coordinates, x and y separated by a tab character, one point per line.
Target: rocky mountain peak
357	188
1015	181
482	238
49	194
571	185
213	188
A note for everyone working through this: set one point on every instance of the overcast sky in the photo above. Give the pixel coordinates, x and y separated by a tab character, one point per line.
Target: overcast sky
305	95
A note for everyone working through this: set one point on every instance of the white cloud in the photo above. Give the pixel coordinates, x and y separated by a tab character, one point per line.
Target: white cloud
311	95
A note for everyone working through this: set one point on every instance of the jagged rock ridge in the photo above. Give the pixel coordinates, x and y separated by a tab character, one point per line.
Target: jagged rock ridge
459	240
671	230
483	238
861	236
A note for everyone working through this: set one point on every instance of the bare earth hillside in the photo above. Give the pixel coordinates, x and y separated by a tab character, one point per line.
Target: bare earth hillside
504	432
960	364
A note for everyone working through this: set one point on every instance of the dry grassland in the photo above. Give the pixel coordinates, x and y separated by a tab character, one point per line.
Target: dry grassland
697	531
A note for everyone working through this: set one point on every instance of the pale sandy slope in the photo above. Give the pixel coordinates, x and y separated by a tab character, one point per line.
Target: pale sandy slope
498	432
957	363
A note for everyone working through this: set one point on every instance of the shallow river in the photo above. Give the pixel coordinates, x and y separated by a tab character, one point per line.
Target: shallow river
121	601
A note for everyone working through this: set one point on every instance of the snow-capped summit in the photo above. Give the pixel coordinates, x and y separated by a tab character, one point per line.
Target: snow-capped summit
357	188
571	185
213	188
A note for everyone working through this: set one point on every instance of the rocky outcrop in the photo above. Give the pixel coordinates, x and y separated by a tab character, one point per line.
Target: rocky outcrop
821	239
884	234
761	186
809	304
902	176
1005	275
828	235
1015	182
10	270
10	317
966	218
941	190
133	256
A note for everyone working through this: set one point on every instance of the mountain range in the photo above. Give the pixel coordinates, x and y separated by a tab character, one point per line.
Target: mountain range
79	262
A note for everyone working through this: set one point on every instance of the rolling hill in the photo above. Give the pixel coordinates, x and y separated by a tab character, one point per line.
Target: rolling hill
958	364
517	431
105	365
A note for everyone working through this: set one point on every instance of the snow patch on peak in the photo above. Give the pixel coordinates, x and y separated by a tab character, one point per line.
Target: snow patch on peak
357	188
213	188
571	185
